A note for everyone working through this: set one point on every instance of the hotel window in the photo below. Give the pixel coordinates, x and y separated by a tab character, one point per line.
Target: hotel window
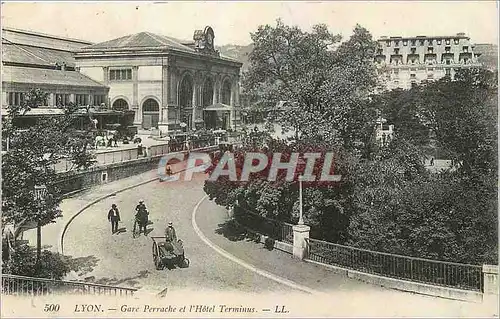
439	41
413	50
447	49
447	41
413	42
15	98
81	99
405	42
430	50
396	43
379	51
422	42
99	99
448	61
413	76
447	72
120	75
430	41
456	41
396	51
62	100
465	49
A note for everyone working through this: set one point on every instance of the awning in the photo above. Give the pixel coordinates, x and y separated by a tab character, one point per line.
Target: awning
218	107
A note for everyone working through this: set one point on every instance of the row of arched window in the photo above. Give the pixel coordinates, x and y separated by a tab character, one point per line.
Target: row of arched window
151	108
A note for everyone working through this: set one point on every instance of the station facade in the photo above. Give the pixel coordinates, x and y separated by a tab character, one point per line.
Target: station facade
172	85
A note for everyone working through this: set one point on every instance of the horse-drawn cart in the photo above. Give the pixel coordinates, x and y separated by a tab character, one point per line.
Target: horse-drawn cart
168	254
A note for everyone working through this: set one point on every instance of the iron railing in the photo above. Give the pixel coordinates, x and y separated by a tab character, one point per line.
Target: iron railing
439	273
22	285
275	229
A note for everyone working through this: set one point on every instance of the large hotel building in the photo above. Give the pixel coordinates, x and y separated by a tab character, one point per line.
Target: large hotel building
406	61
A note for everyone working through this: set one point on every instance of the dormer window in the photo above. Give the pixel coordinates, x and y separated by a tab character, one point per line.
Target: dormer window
447	41
413	42
413	50
465	49
456	41
396	43
388	43
439	41
405	42
422	42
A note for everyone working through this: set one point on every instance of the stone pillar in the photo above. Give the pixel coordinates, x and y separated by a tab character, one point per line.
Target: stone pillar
90	99
51	100
135	98
5	101
105	77
300	247
490	274
165	76
72	98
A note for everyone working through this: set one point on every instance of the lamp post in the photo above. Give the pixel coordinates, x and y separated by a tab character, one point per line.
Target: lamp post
39	194
301	212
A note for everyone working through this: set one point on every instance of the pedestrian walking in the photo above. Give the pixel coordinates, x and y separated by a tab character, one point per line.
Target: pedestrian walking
114	218
432	161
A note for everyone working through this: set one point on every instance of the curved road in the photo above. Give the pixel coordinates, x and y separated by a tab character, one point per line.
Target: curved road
123	260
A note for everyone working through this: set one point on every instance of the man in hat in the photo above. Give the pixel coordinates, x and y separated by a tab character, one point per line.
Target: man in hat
114	218
142	216
170	233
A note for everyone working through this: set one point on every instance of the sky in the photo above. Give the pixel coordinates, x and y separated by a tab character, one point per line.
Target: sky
233	21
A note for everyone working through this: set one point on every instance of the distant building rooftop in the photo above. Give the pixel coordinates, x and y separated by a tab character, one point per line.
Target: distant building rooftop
45	76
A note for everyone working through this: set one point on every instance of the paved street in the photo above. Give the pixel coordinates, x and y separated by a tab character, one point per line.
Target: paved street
123	260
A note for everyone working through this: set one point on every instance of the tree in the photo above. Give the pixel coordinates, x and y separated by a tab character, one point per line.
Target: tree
463	115
33	151
404	109
325	82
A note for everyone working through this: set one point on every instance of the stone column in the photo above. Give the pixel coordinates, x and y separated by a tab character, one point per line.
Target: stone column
4	98
72	98
300	247
135	98
105	78
51	100
490	273
165	76
194	104
90	99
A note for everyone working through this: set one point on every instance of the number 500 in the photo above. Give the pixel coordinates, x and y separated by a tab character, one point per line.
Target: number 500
51	307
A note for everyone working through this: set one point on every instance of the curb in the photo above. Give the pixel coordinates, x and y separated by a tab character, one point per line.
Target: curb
61	242
244	264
